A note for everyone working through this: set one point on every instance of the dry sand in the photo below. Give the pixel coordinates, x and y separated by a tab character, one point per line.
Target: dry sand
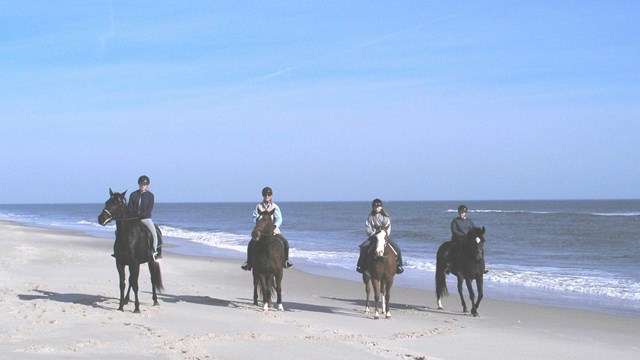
59	295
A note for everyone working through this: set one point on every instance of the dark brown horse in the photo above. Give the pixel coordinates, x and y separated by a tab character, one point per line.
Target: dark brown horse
131	248
380	271
268	262
468	266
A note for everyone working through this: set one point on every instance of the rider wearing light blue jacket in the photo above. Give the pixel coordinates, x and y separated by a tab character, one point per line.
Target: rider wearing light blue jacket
268	205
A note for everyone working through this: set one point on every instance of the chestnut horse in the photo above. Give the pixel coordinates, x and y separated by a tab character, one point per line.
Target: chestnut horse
381	265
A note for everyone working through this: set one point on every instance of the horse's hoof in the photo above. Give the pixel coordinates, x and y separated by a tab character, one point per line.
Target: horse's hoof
121	309
388	316
376	316
265	308
367	310
280	307
136	311
440	308
155	303
256	303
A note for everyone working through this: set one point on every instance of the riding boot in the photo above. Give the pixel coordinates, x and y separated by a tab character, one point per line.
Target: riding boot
400	269
248	265
361	265
285	243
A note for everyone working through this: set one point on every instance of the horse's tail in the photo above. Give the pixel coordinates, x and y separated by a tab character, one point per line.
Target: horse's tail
156	276
441	283
267	285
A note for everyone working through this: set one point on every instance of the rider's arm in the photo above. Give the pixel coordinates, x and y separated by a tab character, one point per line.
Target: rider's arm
455	230
277	216
369	226
256	213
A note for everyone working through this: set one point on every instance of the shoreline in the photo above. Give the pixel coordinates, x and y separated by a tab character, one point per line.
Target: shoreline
59	295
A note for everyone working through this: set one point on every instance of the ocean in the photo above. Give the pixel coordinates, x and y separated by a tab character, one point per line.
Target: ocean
575	254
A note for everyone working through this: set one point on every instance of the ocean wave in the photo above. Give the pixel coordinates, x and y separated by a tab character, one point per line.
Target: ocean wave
611	287
633	213
221	240
503	211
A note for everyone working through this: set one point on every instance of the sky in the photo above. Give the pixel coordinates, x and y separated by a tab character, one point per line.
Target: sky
320	100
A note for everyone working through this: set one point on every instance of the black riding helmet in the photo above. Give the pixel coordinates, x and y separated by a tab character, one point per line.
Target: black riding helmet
462	208
376	202
267	191
144	179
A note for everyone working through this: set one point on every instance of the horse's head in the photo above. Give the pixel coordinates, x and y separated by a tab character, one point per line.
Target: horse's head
264	225
114	208
475	243
381	241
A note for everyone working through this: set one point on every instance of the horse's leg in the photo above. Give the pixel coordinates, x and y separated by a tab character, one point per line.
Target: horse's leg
279	289
367	289
134	273
153	286
266	292
464	304
387	294
255	288
121	274
376	297
474	309
472	294
127	297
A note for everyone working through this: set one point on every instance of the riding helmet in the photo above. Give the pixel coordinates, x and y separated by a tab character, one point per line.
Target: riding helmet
462	208
267	191
144	179
376	202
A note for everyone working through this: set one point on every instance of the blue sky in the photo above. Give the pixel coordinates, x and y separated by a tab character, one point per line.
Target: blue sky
323	101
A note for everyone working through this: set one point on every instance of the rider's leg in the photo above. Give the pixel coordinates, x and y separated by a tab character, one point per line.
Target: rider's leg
400	269
248	265
285	243
152	228
360	266
451	255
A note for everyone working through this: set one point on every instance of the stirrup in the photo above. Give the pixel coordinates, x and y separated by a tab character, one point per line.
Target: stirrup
245	266
157	257
399	270
288	264
360	269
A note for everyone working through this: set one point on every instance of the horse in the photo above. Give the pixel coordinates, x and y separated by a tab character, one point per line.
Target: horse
131	248
381	267
469	266
268	261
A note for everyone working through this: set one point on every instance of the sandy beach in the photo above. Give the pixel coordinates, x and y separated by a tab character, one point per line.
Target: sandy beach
59	295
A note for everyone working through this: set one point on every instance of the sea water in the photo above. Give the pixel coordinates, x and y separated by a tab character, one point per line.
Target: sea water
577	254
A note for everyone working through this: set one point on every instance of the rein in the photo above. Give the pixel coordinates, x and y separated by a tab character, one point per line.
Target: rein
112	217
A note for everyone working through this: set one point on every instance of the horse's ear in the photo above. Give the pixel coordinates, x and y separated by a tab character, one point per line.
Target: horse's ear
110	192
483	230
272	211
124	193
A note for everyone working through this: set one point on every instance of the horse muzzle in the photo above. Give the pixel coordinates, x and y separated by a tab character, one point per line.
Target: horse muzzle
105	217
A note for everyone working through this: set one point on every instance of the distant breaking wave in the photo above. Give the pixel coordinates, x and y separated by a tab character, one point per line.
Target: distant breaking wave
632	213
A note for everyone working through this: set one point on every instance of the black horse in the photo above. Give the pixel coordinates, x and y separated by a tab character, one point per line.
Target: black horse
468	266
131	248
268	261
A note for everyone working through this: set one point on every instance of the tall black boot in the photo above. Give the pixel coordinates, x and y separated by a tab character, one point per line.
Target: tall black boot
361	265
248	265
285	243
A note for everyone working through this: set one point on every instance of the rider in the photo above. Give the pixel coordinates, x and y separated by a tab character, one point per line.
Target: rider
377	220
267	205
141	205
460	226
